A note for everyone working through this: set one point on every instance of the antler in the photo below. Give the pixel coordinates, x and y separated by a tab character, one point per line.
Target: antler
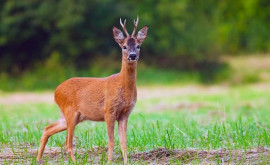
124	27
135	26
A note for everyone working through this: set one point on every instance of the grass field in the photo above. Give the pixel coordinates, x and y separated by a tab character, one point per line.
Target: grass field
169	125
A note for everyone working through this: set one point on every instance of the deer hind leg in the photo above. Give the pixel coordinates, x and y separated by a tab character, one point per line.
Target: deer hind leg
50	130
72	121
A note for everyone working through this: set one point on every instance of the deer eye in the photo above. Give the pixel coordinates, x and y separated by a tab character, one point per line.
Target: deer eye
124	47
138	47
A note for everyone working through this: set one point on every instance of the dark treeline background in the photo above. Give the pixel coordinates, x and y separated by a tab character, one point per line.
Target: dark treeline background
183	34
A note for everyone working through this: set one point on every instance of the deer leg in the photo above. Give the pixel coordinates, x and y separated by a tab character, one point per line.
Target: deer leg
122	132
71	123
66	146
50	130
110	130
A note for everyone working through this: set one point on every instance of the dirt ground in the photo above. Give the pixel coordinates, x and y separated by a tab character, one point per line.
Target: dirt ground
25	154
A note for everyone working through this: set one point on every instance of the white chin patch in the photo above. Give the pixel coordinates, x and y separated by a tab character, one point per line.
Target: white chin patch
130	60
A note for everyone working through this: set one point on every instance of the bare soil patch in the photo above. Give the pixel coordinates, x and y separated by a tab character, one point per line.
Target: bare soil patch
26	154
165	156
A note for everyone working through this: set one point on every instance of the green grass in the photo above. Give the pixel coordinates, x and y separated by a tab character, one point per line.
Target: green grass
228	118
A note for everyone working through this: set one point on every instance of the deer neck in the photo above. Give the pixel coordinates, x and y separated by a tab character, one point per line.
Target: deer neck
128	75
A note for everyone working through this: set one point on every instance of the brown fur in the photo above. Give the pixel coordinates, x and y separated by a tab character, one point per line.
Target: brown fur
107	99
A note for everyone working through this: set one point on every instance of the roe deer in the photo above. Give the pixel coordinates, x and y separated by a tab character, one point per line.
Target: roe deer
107	99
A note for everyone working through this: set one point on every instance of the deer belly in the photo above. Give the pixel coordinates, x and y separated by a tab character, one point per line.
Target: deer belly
91	111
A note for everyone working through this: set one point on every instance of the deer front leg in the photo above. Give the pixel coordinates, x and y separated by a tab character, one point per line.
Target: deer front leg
122	132
110	130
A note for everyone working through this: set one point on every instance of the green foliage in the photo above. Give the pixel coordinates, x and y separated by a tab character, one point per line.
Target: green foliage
30	31
243	25
46	77
182	34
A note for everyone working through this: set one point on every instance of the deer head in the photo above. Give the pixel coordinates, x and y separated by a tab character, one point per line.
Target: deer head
130	44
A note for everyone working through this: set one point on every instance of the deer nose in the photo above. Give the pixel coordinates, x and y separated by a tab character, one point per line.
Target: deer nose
132	56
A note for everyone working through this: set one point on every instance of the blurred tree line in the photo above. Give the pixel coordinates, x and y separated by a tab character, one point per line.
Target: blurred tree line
188	34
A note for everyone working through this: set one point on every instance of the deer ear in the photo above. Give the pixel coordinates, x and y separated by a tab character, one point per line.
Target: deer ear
118	35
142	34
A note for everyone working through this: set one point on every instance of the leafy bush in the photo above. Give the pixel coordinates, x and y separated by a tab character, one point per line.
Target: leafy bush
189	32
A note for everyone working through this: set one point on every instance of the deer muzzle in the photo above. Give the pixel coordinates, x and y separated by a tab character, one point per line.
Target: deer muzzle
132	57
